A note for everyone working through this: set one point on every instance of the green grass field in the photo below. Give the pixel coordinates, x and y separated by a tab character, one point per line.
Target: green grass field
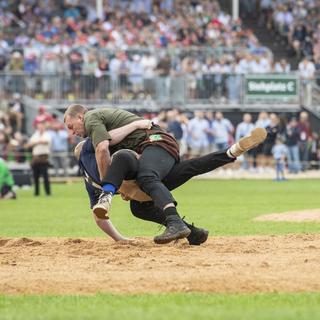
224	207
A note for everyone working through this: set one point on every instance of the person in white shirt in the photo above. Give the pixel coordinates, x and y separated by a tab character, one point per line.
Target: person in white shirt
149	63
222	129
136	72
307	71
233	83
197	134
244	63
40	142
243	129
282	66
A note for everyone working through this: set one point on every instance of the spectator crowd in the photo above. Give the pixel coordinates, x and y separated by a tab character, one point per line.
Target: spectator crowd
163	49
290	142
206	131
16	145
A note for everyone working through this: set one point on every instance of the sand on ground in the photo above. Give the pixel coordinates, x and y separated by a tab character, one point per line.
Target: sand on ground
310	215
289	263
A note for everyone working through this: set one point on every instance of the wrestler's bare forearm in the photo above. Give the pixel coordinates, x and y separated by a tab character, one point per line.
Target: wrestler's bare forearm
117	135
107	227
103	158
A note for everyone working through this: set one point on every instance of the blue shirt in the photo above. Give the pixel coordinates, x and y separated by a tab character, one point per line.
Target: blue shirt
59	140
279	151
222	128
89	169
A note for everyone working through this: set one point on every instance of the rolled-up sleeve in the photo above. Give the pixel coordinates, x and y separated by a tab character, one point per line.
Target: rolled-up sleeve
96	130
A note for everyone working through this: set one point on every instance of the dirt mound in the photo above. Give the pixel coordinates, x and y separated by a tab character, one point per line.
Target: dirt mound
292	216
224	264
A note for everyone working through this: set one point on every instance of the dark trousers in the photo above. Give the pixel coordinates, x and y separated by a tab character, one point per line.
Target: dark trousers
154	165
41	169
124	167
5	189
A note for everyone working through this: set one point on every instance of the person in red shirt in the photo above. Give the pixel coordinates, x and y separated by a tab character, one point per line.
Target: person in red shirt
43	116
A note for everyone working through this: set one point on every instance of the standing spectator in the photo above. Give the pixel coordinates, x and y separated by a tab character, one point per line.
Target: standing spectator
297	36
197	132
189	67
123	75
292	141
6	182
59	147
220	69
210	136
15	66
282	66
273	130
42	116
265	13
16	149
307	71
114	67
233	83
64	85
40	142
243	129
49	69
307	47
76	63
305	136
103	76
279	151
89	80
136	71
31	67
208	77
247	8
163	70
16	112
149	63
222	129
174	125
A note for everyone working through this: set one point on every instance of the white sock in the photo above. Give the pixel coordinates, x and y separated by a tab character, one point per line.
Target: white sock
229	154
234	151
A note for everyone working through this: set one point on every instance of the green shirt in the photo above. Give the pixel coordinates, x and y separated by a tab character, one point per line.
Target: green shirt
5	175
98	122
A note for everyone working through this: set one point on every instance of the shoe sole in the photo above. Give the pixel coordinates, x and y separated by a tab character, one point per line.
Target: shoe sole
256	137
181	235
100	212
202	240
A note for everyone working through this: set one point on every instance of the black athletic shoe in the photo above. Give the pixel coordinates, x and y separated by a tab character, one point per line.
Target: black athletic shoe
197	235
175	229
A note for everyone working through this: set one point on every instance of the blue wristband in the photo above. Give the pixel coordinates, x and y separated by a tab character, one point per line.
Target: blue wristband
109	188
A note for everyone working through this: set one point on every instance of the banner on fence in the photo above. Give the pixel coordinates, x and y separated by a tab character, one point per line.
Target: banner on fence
272	86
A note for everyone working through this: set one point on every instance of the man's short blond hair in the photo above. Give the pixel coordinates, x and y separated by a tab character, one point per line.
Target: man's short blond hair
73	110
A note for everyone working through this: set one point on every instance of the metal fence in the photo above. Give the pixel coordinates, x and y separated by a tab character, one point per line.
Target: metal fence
218	88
